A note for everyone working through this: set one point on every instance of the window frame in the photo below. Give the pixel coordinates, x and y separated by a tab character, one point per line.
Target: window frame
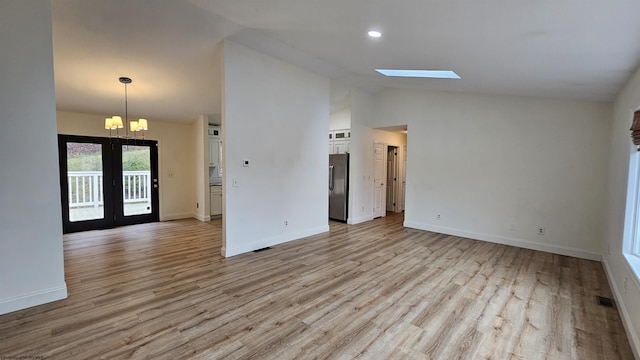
631	236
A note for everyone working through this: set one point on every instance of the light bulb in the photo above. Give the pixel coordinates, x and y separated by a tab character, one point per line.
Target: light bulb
142	124
117	122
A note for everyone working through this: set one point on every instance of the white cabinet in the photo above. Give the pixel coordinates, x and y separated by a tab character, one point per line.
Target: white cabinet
216	200
339	141
214	151
331	142
341	146
220	158
342	134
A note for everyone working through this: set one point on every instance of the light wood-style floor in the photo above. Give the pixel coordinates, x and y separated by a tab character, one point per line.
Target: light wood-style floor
374	291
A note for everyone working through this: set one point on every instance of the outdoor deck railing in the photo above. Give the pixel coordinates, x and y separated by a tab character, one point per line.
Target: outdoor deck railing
86	190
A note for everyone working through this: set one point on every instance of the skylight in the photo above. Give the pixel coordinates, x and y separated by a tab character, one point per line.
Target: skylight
434	74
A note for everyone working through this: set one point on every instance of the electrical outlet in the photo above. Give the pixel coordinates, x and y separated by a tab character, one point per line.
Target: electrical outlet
363	209
541	230
197	205
286	223
624	285
513	227
438	217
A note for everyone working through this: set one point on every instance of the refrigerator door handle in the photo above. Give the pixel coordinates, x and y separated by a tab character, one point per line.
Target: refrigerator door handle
330	177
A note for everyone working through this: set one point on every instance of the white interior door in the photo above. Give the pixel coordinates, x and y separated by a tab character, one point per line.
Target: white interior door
379	190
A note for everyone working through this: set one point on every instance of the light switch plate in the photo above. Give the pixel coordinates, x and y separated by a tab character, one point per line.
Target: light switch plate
245	162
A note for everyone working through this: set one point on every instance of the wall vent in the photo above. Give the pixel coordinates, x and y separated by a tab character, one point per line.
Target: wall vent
605	301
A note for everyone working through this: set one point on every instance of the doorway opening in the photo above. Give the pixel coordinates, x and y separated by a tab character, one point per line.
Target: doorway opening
107	182
392	178
389	170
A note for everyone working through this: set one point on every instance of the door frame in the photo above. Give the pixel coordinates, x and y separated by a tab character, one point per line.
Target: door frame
107	178
382	211
402	190
113	196
392	188
154	216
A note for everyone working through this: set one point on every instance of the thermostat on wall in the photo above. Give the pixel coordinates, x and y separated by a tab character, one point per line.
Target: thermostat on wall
245	162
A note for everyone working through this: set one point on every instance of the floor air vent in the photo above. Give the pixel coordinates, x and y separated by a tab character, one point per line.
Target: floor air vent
605	301
263	249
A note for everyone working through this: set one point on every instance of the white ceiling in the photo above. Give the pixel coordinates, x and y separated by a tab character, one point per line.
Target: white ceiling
575	49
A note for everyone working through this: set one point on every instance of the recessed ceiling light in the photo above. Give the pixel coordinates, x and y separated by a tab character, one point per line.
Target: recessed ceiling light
435	74
374	33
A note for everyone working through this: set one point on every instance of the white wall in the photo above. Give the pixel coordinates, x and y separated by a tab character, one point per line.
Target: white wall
486	162
31	253
277	116
390	138
618	270
361	159
340	119
176	154
200	133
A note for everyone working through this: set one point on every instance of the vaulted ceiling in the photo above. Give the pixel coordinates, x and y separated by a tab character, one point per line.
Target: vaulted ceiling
573	49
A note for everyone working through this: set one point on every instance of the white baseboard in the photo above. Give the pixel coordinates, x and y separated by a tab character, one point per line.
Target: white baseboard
33	299
353	221
229	251
202	218
555	249
182	216
622	310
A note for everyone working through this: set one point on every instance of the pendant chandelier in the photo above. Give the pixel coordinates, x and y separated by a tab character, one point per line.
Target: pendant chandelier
115	122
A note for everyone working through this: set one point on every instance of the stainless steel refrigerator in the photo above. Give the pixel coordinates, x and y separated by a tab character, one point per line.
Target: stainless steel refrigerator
338	186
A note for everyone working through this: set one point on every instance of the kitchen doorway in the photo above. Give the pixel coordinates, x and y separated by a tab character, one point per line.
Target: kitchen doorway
107	182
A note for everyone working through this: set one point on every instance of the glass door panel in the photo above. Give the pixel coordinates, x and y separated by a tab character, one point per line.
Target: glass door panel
85	181
135	169
136	180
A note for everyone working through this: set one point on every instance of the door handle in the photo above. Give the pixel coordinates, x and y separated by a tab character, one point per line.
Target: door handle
330	177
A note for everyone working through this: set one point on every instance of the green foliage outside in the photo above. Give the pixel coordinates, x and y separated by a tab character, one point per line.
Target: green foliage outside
84	163
133	160
137	160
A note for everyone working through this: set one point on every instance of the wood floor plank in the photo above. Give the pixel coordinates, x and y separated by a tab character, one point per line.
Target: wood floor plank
375	290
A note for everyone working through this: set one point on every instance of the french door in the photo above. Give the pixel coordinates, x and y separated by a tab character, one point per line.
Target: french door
107	182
